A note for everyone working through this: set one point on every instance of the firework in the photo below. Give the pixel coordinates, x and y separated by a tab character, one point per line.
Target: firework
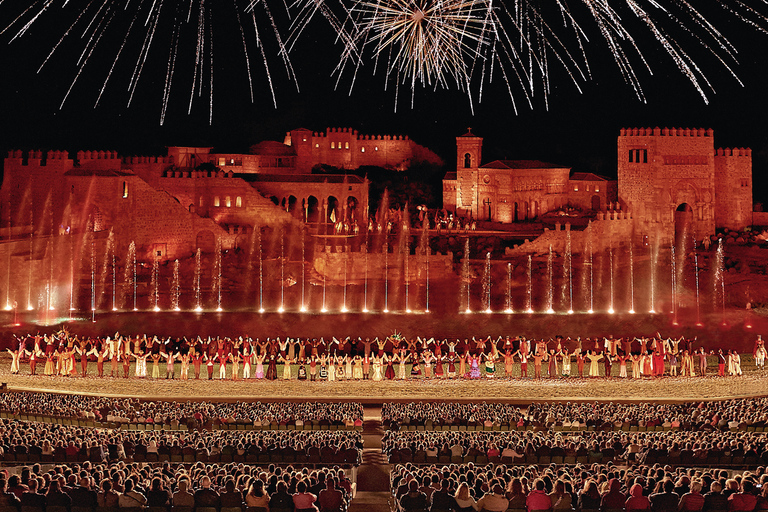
463	43
144	27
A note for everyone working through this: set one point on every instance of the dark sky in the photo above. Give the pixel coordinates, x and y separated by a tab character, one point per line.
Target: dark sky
577	129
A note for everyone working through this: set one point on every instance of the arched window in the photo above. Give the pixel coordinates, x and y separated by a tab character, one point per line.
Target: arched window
228	202
216	202
125	190
239	202
467	160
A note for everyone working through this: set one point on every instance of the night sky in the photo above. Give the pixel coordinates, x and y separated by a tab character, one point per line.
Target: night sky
577	129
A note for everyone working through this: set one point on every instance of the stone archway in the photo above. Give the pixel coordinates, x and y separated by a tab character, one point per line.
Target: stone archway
683	225
313	210
596	202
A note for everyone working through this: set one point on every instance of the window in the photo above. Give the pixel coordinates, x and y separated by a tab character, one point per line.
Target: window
333	145
317	145
362	150
125	190
467	160
376	148
228	202
239	202
222	161
597	188
638	156
588	187
201	201
346	145
575	188
216	201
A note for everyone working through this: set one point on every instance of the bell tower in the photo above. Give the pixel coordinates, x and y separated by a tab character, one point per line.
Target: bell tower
469	151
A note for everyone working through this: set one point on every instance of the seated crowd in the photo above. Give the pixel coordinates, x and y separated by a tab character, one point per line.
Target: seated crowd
29	441
675	447
223	487
131	410
723	414
596	487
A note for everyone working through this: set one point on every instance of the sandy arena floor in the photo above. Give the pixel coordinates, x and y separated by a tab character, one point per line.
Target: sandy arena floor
753	383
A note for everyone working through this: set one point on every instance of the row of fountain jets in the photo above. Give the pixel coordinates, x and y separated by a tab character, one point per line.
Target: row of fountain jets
130	287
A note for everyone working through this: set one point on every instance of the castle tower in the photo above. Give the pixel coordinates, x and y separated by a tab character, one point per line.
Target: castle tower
667	181
733	188
469	151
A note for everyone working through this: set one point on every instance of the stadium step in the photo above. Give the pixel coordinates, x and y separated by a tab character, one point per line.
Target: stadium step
371	502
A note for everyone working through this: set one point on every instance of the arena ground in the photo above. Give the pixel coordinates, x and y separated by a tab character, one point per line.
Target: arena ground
754	382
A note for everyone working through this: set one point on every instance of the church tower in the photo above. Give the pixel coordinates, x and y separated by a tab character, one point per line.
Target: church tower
469	151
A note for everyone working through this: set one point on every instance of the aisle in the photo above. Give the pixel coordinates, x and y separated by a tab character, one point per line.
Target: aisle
373	474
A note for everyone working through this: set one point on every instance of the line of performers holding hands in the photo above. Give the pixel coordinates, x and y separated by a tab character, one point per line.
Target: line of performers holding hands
390	358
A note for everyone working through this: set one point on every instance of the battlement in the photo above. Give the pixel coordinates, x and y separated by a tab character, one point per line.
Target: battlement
83	156
666	132
358	136
737	152
128	160
37	155
198	174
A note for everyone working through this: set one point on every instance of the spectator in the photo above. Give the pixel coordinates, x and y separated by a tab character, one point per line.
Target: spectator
304	501
32	498
744	501
414	500
614	499
83	495
107	498
130	497
464	500
281	499
516	495
442	500
561	500
55	497
589	496
692	501
666	500
636	500
231	497
158	495
538	498
495	501
182	497
332	500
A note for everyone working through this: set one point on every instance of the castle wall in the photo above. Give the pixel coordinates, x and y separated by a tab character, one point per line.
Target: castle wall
347	149
152	219
609	229
223	198
733	188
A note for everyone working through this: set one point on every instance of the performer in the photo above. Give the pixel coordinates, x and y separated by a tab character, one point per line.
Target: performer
260	365
760	354
184	366
594	370
357	369
566	357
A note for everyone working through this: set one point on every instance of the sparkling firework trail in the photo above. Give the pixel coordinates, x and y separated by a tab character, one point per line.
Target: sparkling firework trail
144	27
426	44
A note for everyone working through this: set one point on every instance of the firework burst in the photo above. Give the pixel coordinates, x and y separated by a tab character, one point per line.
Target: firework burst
464	43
